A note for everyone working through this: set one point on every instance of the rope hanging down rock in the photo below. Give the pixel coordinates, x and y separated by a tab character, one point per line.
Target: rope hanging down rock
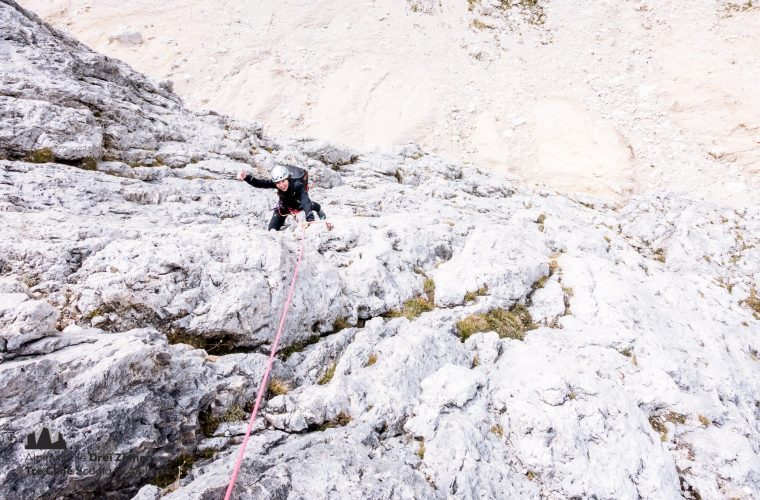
263	385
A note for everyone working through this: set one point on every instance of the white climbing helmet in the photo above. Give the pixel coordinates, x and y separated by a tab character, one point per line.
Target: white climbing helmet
279	173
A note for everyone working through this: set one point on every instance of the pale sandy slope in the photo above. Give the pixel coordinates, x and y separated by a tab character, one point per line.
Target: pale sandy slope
608	97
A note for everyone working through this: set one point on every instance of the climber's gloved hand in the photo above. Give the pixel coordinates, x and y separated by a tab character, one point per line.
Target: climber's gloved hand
241	175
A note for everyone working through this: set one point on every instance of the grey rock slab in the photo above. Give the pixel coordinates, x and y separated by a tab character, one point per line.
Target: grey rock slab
640	380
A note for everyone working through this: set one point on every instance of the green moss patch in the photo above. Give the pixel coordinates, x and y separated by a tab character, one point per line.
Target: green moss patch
299	346
209	423
178	468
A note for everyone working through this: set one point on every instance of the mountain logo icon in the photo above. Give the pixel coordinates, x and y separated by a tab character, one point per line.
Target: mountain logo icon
41	440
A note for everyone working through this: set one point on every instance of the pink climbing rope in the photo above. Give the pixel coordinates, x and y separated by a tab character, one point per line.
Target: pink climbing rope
263	385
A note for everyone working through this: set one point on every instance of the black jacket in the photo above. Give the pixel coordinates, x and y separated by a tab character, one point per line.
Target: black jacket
295	197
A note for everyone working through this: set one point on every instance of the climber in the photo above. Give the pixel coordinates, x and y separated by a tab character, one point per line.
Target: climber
292	185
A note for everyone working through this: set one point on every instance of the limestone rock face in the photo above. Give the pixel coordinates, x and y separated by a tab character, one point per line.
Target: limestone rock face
455	335
60	96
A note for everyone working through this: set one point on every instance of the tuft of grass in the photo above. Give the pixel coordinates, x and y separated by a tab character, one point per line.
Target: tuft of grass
342	420
540	282
471	4
725	284
479	25
371	360
340	324
98	311
327	377
568	291
704	420
429	288
472	324
32	280
553	267
741	7
158	162
421	449
480	292
531	10
88	163
659	255
540	222
508	324
44	155
628	353
108	141
659	427
498	430
658	423
675	418
279	387
753	302
412	308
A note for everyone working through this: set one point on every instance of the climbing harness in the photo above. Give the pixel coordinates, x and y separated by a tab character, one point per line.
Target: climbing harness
293	212
263	385
288	211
